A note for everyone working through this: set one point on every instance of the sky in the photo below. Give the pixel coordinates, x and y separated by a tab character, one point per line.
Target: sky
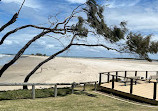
141	16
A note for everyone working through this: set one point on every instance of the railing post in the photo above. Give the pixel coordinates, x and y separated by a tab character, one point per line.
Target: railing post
155	88
156	75
125	73
95	86
135	73
135	76
72	87
55	90
108	77
33	91
116	76
113	79
100	74
84	86
146	75
131	86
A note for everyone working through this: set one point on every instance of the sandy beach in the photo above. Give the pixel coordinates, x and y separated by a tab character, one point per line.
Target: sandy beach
63	70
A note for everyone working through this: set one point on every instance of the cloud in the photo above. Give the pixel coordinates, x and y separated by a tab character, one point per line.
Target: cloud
49	46
28	3
121	3
8	42
41	42
28	15
76	1
138	18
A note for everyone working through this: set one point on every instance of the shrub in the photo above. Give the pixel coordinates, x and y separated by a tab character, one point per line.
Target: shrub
38	54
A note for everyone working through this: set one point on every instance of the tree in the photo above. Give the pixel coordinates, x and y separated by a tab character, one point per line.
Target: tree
92	24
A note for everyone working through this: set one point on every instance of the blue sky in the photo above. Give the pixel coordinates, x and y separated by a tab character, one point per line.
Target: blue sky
141	16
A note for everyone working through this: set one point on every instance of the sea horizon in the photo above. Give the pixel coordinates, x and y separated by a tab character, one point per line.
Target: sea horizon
4	58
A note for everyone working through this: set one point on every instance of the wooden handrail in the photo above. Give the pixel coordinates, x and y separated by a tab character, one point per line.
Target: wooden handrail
107	73
124	71
30	84
55	86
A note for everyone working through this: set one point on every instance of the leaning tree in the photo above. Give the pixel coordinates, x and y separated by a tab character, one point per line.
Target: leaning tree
93	24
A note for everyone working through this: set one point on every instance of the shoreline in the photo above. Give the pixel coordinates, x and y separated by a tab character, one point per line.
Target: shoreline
82	57
128	58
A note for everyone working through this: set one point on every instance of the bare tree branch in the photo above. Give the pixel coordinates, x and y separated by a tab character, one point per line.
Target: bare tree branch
21	7
15	30
46	60
34	26
66	21
96	45
13	19
15	16
53	23
59	52
58	39
71	16
55	30
43	62
18	55
93	20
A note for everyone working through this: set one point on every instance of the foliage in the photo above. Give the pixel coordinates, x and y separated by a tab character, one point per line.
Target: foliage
39	54
93	23
141	45
79	29
95	19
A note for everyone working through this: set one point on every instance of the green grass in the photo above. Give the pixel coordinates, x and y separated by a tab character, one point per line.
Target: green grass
26	94
80	101
40	93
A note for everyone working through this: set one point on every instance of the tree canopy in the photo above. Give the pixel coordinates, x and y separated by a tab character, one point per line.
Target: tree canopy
94	23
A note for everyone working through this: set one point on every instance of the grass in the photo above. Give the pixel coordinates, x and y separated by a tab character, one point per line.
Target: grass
26	94
80	101
40	93
74	102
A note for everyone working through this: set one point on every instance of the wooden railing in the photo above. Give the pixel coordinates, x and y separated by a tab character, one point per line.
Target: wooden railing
52	84
125	74
114	75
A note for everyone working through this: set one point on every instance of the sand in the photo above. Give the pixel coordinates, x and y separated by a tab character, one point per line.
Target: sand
63	70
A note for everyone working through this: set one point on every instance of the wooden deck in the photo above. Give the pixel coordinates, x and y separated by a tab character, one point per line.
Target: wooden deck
143	91
142	88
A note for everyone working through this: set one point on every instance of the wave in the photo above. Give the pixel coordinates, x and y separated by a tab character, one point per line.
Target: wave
4	55
5	58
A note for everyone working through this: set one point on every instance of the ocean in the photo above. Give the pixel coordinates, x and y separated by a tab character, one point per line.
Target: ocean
5	58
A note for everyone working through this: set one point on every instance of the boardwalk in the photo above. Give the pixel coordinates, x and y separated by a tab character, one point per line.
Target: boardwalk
142	88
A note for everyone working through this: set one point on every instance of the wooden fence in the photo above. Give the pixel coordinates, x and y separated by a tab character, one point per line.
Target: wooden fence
52	84
125	75
114	75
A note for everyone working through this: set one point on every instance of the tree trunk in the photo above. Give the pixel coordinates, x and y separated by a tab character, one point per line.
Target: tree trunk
40	64
15	16
18	55
54	55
